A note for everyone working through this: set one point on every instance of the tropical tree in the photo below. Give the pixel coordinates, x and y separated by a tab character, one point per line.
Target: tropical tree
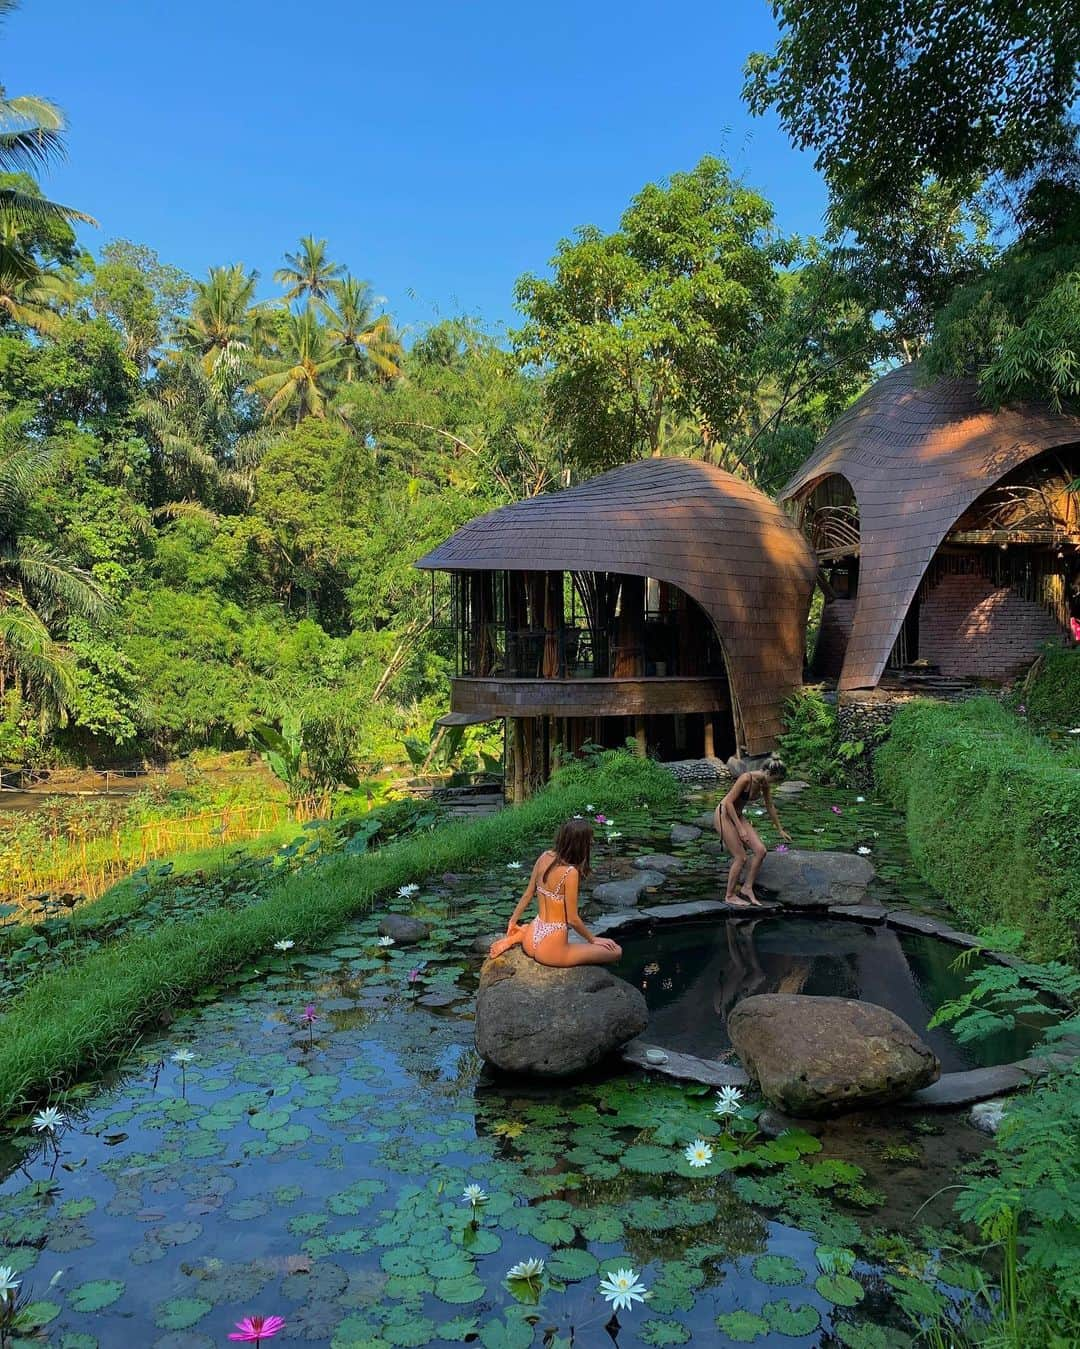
40	589
367	341
225	326
308	273
300	372
31	295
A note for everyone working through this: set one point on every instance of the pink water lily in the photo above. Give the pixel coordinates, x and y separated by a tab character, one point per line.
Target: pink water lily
601	819
413	976
781	847
309	1014
836	810
257	1328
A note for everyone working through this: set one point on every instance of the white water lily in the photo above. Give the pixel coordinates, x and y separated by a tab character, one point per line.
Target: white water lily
622	1289
526	1269
9	1283
698	1153
474	1195
590	809
864	851
284	944
48	1120
513	866
183	1057
385	941
728	1100
407	891
614	834
860	799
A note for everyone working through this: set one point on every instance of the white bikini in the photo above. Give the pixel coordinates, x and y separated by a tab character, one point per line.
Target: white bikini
541	929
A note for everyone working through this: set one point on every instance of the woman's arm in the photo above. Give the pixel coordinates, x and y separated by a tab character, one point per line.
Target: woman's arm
573	918
526	898
770	806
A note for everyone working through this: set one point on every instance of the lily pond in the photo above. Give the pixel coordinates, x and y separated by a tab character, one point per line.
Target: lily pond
311	1161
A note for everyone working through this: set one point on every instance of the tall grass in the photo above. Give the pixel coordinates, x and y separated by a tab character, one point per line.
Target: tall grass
86	1016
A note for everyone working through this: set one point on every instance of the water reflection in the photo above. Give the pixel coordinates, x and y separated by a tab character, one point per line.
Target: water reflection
692	977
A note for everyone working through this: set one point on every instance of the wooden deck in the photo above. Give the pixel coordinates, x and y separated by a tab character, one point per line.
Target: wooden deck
644	696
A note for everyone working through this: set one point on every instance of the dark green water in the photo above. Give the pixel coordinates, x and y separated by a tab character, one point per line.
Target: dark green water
694	975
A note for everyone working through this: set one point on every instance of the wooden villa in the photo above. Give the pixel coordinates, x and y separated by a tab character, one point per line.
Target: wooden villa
665	601
947	534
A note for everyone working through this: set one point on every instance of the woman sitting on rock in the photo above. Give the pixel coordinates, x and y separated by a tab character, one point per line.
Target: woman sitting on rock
554	880
740	837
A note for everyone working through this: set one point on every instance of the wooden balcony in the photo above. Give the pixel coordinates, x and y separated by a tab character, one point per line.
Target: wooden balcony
633	697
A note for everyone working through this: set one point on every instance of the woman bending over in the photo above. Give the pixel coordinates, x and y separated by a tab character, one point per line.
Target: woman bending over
554	880
740	837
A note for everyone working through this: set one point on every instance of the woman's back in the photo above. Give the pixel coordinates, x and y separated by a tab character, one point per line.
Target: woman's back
551	888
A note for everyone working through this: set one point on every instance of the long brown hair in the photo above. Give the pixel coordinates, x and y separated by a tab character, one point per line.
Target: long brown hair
573	844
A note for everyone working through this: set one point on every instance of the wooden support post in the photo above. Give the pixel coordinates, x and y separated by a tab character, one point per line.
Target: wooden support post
710	738
519	761
639	736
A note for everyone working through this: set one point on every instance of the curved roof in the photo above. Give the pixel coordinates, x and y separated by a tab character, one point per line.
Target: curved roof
690	524
916	458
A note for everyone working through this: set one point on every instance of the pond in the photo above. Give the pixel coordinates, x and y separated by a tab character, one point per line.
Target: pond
692	976
316	1172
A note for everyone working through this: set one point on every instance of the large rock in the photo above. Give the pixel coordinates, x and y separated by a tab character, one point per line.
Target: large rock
546	1022
658	861
625	894
822	1056
405	931
684	833
814	880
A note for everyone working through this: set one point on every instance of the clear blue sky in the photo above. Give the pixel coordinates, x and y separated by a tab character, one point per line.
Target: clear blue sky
442	149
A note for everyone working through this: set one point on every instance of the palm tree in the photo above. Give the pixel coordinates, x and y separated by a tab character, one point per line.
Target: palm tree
300	374
30	295
308	273
39	588
367	341
224	327
31	138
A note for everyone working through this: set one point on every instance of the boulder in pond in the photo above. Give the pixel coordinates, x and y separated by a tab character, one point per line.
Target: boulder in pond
814	880
545	1022
625	893
658	861
684	833
823	1056
405	931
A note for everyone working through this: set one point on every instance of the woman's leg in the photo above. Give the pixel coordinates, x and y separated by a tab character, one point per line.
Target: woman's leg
504	944
757	851
564	954
733	843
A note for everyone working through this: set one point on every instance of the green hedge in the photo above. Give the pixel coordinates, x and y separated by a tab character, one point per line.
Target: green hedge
1051	691
86	1016
993	818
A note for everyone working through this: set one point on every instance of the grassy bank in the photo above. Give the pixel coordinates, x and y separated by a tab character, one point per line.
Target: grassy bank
84	1017
993	818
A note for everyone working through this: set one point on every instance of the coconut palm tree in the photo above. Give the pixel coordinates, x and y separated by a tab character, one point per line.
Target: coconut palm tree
300	374
367	341
224	328
31	295
39	588
308	273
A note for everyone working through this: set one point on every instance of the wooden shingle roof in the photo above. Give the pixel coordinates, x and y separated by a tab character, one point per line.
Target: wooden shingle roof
916	458
687	523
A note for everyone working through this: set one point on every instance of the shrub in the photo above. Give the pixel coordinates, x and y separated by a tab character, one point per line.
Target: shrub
1051	692
811	738
993	817
87	1014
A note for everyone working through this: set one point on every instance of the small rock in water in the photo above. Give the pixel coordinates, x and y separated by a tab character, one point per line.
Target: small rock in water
658	861
986	1116
625	894
482	944
684	833
405	931
773	1123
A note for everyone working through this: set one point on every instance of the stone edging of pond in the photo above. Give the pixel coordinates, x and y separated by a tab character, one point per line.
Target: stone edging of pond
950	1091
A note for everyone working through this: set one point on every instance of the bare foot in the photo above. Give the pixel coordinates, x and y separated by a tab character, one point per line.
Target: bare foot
751	898
738	902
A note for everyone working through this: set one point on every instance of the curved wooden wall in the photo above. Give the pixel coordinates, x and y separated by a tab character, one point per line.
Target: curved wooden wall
690	524
916	458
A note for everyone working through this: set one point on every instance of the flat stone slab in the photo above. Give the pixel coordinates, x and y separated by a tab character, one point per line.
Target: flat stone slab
658	861
707	821
862	913
700	908
815	880
977	1084
685	1067
791	787
906	921
684	833
615	922
625	894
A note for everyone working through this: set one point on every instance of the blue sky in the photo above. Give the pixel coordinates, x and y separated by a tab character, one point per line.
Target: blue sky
441	149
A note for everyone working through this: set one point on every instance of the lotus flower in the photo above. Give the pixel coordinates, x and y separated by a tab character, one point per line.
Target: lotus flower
513	866
622	1289
385	942
9	1284
309	1015
864	851
603	819
183	1057
860	799
698	1153
590	809
257	1328
781	847
413	975
836	810
474	1195
728	1100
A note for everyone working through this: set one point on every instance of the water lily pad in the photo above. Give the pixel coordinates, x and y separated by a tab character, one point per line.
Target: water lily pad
742	1327
37	1314
778	1269
460	1291
569	1264
95	1295
840	1289
179	1313
788	1320
662	1333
